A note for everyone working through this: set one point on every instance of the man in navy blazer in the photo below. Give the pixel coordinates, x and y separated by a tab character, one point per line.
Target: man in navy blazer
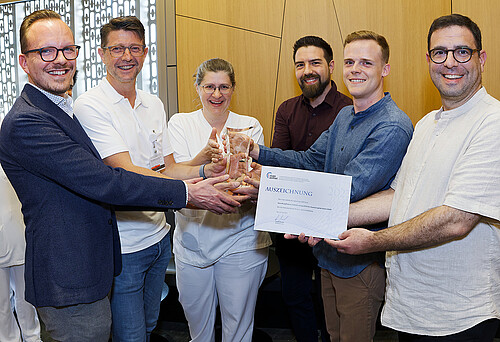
68	193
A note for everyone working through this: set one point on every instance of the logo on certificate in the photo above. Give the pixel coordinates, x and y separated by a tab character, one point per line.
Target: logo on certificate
271	175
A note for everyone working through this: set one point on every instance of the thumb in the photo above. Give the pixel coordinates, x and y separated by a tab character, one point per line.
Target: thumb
213	134
216	180
344	235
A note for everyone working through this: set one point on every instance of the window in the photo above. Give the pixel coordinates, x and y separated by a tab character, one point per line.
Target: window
85	18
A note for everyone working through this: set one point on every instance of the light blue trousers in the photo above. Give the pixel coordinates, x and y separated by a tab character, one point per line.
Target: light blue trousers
233	282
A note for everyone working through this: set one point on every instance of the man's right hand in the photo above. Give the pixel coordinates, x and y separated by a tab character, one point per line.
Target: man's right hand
311	241
204	195
354	241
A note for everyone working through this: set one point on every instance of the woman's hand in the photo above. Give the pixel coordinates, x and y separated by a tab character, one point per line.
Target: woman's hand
212	152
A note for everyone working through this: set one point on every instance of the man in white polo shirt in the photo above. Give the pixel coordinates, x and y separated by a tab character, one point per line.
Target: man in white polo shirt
128	127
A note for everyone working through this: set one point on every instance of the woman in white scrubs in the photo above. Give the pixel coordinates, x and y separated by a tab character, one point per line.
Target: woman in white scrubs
220	259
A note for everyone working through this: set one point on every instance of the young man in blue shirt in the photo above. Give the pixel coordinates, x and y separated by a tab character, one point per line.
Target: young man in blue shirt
366	141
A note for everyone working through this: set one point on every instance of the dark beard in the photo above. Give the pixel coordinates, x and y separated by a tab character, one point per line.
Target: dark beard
315	90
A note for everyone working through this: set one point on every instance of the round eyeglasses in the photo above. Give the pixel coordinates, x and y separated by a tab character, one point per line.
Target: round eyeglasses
224	89
50	53
461	55
118	50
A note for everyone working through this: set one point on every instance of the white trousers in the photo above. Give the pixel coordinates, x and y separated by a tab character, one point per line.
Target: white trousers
232	282
26	313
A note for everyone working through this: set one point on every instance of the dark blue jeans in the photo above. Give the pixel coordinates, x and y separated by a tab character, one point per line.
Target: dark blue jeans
297	264
136	293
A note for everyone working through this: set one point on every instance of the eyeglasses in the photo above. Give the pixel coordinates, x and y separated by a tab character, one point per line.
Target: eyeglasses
461	55
118	50
224	89
50	53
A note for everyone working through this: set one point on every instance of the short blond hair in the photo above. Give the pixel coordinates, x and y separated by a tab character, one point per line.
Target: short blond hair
370	35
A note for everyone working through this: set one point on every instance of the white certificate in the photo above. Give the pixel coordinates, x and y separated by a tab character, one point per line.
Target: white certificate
299	201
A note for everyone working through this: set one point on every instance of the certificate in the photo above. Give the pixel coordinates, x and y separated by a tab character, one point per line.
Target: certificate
299	201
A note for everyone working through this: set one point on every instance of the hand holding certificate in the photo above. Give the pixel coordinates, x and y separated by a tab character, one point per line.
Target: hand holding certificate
298	201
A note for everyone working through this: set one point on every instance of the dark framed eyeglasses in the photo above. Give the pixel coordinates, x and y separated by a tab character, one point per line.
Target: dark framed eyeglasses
119	50
50	53
224	89
461	55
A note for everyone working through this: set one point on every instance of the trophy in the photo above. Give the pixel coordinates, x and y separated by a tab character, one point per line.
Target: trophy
238	142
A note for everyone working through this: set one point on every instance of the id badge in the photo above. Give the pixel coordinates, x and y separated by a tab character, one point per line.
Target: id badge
156	162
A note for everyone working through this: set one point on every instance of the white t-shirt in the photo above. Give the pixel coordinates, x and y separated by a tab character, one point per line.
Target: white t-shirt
202	237
12	244
454	160
114	126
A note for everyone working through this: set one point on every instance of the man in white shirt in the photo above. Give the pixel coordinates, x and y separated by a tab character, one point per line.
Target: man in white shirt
443	259
12	245
128	127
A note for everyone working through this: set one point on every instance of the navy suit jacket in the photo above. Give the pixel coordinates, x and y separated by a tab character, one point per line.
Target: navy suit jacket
67	195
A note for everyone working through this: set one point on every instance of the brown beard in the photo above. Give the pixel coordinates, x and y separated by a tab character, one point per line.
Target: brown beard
315	90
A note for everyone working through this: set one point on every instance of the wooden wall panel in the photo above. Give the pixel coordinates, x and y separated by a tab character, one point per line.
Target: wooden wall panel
254	57
262	16
485	14
405	25
262	49
318	19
